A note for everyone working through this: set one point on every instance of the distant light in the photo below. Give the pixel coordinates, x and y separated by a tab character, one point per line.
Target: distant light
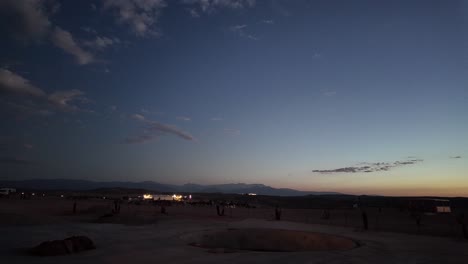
61	195
147	197
190	196
104	197
43	195
177	197
251	194
22	193
33	194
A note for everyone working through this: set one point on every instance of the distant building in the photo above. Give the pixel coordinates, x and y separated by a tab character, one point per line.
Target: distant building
7	191
430	206
164	197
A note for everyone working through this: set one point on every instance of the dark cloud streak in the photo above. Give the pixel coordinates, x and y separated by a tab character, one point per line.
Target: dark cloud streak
371	167
154	130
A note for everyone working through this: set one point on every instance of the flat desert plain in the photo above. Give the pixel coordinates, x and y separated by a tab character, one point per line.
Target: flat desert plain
189	234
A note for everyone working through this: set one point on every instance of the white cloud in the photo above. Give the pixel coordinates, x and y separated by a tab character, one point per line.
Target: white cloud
13	83
142	16
64	40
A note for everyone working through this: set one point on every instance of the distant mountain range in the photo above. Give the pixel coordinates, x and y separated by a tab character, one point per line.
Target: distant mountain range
85	185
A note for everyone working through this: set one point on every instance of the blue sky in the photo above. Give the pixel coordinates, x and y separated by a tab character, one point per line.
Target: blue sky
352	96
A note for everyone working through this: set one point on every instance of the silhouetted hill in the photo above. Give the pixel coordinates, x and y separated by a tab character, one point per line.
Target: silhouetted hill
84	185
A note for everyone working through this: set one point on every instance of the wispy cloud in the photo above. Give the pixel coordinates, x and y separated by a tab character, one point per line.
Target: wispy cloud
193	12
141	16
32	99
371	167
238	27
101	42
89	30
269	22
209	6
64	40
13	83
183	118
169	129
63	99
138	117
241	31
232	131
154	130
29	20
327	92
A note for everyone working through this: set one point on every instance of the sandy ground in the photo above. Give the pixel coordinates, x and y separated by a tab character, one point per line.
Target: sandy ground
148	237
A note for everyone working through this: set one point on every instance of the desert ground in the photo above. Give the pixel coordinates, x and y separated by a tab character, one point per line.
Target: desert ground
196	234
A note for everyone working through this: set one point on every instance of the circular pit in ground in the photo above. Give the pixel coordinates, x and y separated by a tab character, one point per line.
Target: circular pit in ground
272	240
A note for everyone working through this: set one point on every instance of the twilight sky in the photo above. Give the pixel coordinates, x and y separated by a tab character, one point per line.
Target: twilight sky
363	97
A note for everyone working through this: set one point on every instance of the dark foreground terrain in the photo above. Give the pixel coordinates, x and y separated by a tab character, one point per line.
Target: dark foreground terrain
141	233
